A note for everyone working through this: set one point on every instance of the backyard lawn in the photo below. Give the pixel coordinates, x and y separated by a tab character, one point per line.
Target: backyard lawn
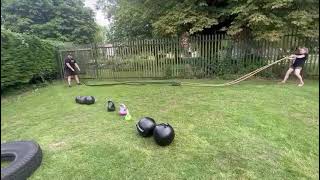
255	130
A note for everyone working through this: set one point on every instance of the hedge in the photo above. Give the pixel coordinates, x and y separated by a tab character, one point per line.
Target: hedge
25	57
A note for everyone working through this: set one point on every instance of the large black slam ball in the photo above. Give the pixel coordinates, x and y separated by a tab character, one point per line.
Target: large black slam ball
163	134
145	126
90	100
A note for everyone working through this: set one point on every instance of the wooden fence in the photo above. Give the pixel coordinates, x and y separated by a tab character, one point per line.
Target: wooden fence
198	56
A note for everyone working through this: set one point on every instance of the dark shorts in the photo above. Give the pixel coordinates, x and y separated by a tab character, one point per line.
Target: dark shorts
297	66
68	72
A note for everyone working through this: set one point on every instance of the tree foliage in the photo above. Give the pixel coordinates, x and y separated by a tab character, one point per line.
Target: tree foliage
65	20
272	19
263	19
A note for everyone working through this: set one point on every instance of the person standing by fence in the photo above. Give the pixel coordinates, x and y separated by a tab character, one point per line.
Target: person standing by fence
70	66
299	59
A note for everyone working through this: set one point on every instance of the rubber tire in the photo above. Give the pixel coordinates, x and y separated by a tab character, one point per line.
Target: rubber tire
25	157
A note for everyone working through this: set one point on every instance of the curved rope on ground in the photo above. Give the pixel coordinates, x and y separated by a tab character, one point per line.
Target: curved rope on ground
233	82
130	83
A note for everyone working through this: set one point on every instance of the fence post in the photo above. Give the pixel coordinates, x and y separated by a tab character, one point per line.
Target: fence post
95	57
60	64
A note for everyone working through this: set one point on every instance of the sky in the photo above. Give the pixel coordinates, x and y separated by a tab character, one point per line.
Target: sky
100	19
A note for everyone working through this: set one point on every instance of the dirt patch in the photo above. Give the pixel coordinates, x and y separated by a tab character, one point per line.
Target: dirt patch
57	145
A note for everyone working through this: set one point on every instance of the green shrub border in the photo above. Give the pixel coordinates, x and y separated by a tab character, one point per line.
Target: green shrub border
25	58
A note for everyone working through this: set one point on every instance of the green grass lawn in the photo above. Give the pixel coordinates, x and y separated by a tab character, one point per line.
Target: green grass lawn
255	130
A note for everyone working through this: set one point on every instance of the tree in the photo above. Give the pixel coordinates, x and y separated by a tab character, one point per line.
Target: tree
129	20
263	19
272	19
101	34
65	20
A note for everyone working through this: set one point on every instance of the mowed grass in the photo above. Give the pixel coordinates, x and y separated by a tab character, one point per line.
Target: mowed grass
254	130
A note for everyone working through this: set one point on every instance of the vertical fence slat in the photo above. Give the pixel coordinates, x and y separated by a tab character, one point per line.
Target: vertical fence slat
143	58
159	51
208	56
152	58
211	53
149	67
216	49
201	55
174	59
164	54
149	70
173	65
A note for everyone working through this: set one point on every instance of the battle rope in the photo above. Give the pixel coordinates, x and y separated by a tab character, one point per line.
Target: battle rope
175	83
242	78
130	83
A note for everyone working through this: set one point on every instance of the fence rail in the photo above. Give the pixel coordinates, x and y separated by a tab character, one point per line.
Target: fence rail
198	56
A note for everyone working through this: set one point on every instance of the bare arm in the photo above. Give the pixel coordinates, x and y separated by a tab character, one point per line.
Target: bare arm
77	66
293	56
300	56
69	66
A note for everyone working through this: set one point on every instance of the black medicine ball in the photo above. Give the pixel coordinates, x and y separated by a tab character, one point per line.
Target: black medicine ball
145	126
163	134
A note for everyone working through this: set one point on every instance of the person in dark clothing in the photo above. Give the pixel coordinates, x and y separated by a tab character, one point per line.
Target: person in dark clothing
299	59
70	66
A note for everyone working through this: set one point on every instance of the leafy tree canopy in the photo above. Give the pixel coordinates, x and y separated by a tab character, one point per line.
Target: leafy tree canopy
64	20
263	19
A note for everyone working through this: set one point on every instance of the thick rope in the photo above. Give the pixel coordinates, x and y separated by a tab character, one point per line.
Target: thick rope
236	81
130	83
242	78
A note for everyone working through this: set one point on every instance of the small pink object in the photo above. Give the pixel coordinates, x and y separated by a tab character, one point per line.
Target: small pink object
123	110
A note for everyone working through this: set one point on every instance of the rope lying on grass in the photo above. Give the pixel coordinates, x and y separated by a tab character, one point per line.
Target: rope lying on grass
175	83
131	83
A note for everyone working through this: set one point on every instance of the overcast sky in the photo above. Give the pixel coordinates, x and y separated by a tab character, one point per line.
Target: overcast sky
100	19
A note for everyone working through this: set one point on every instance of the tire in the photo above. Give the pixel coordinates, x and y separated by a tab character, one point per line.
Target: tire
25	157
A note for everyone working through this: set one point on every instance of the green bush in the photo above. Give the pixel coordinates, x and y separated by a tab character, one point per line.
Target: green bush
25	58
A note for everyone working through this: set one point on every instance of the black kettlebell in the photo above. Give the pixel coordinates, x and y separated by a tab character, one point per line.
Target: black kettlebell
110	106
145	126
163	134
